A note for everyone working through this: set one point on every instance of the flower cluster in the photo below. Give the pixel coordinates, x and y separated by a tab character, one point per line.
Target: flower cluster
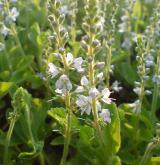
143	70
125	26
7	17
89	97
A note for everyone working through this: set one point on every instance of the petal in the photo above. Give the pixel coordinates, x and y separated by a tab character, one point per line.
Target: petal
69	57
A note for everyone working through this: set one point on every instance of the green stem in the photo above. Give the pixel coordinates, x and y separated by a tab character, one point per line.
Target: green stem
42	159
154	101
27	112
94	106
149	149
108	62
8	138
156	89
17	39
67	130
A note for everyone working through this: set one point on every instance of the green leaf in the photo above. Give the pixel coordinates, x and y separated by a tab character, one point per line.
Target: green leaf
57	141
111	132
127	72
137	9
5	87
59	114
86	134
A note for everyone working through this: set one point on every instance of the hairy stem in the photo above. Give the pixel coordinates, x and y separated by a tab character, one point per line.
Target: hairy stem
27	111
149	149
8	138
67	130
108	65
94	106
156	89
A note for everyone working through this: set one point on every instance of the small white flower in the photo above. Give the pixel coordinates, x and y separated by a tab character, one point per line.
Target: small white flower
105	115
105	96
13	14
137	90
84	81
2	47
116	87
77	64
79	89
69	58
64	10
63	84
100	25
135	106
149	61
156	79
126	44
93	93
122	27
4	30
52	70
100	76
83	102
111	69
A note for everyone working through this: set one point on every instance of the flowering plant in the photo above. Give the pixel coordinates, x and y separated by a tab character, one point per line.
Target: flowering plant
79	82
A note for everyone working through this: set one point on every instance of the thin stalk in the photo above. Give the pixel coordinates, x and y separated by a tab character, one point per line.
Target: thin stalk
94	106
17	39
67	135
27	111
13	29
108	62
67	130
154	101
8	138
156	89
149	149
42	159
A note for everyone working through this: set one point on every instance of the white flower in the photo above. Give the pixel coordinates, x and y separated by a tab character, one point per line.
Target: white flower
79	89
69	58
64	10
63	84
4	30
100	25
137	90
93	93
156	79
100	75
83	102
84	81
126	44
123	27
116	87
105	96
149	61
13	14
77	64
53	71
84	84
111	69
2	47
135	106
105	115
